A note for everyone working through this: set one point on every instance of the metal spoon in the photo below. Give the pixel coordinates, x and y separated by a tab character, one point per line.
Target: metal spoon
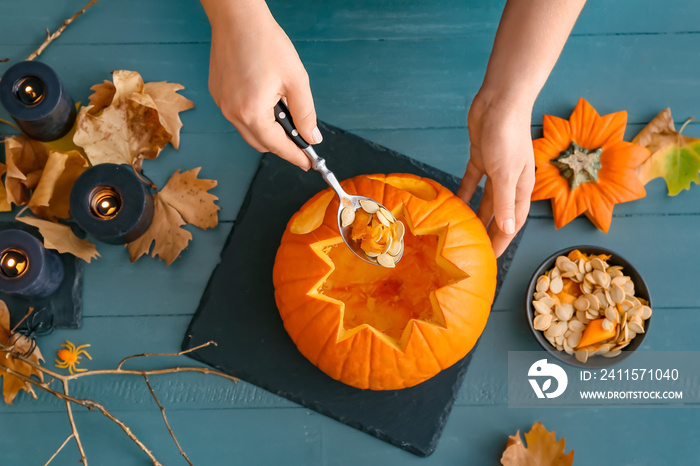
284	118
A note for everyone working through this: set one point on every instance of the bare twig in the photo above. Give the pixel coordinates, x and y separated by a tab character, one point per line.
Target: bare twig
93	405
74	428
4	60
65	442
89	404
51	37
180	353
165	419
9	123
29	311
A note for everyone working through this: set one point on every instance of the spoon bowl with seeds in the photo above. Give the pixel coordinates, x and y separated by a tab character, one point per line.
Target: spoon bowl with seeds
368	228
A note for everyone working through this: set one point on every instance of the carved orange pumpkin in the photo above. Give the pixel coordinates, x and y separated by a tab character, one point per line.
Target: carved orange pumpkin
378	328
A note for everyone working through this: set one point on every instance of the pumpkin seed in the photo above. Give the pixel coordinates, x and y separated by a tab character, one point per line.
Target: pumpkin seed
567	348
385	260
558	329
383	218
581	304
564	311
574	339
347	216
400	230
542	284
372	255
620	280
395	248
542	322
541	307
646	312
593	301
598	264
540	295
555	273
588	267
576	325
581	356
607	324
548	301
612	354
617	293
369	206
612	315
566	265
556	285
635	324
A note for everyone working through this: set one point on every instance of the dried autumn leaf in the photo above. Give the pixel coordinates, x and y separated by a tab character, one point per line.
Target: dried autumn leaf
542	449
25	159
188	195
102	96
4	203
168	239
51	197
126	131
11	385
61	238
674	157
169	104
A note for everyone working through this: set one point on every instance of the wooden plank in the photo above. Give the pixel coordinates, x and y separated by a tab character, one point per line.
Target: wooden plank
418	84
113	338
209	437
659	246
132	21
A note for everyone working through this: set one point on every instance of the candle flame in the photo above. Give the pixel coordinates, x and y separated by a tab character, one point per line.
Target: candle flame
30	90
10	262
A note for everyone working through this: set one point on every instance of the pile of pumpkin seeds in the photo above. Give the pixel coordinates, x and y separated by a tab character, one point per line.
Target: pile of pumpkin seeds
605	292
392	228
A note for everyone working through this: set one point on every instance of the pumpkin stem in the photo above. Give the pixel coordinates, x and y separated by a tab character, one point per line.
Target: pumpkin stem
578	165
685	124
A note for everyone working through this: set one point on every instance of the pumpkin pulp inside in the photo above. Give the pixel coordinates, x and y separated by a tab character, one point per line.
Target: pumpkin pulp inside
388	299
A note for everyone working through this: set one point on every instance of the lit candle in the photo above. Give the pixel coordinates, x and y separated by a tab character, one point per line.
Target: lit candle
36	99
27	268
111	203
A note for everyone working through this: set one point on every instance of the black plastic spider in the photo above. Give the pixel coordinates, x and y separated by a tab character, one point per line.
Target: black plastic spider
35	325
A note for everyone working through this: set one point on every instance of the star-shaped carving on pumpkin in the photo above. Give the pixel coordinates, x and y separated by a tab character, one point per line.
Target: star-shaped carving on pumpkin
389	299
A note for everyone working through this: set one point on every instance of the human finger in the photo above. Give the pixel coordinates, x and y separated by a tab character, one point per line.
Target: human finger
470	181
301	106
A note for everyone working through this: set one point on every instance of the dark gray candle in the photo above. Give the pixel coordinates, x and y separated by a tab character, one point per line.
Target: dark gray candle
27	268
36	99
111	203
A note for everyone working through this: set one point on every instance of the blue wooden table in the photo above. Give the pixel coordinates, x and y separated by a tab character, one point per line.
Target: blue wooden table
401	74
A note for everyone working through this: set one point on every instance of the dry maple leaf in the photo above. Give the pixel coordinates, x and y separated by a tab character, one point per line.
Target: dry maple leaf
168	239
184	196
61	238
188	195
674	157
11	385
126	131
51	197
542	449
25	159
169	104
5	205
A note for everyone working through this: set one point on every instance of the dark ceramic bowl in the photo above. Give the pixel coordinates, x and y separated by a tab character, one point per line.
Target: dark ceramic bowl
641	291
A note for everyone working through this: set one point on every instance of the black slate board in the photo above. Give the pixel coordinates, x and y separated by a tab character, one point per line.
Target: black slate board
61	309
238	310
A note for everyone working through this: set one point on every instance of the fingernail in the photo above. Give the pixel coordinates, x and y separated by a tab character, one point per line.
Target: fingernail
509	226
316	135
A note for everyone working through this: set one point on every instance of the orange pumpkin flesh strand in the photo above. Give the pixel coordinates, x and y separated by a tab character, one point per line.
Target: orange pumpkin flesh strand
585	167
378	328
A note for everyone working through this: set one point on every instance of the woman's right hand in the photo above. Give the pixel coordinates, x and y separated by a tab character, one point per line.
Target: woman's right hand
253	65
